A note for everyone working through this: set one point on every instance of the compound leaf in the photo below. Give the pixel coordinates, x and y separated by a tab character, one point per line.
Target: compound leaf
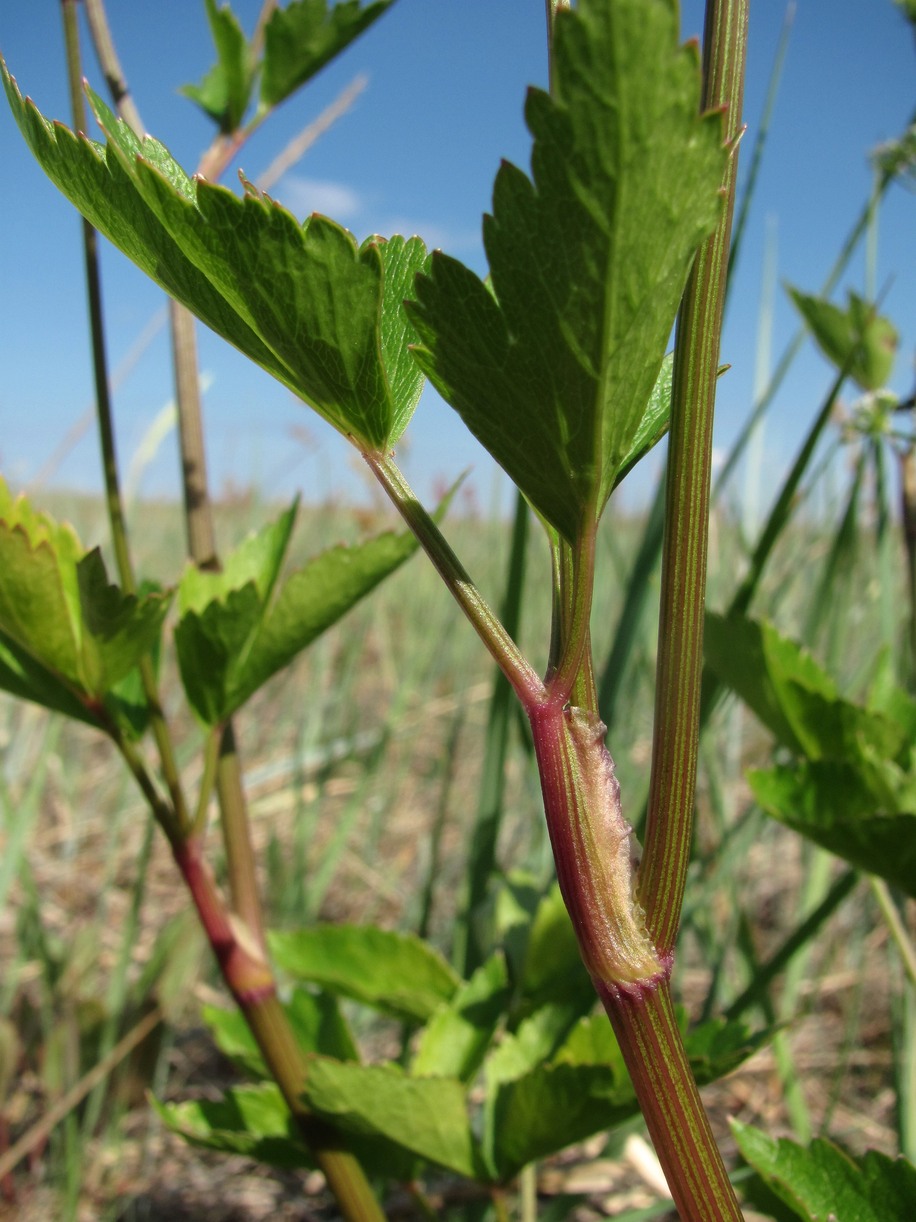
550	1108
316	1022
792	695
585	1088
552	369
865	813
394	972
427	1117
225	91
303	301
821	1182
27	679
302	37
240	627
856	339
454	1041
256	1121
60	615
250	1120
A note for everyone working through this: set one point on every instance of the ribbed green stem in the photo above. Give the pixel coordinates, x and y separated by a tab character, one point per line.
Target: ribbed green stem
473	937
236	829
650	1040
669	824
523	678
908	515
571	649
198	508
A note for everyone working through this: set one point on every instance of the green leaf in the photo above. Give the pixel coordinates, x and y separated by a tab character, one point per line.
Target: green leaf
887	698
426	1116
655	422
255	1121
126	701
792	695
718	1046
249	1120
225	91
553	370
585	1088
316	1021
552	965
60	615
535	1040
456	1038
822	1182
26	679
394	972
865	813
301	38
855	339
239	627
403	260
303	301
550	1108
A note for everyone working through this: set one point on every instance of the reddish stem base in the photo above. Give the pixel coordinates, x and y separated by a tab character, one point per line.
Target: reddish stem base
652	1047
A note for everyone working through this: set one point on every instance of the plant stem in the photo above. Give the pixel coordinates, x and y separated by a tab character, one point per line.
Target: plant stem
650	1040
236	827
249	978
662	876
895	925
111	66
908	516
106	435
198	509
239	946
590	842
199	523
571	651
643	1018
96	325
523	678
473	937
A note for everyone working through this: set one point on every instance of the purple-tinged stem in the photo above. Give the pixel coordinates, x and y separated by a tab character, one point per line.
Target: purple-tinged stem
646	1028
591	846
250	980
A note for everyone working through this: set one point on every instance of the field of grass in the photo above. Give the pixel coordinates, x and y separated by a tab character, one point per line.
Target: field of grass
363	766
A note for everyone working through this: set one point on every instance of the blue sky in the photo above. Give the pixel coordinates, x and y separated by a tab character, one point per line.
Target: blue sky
417	153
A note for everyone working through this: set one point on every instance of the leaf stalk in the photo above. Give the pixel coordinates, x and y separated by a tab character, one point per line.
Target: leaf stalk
521	675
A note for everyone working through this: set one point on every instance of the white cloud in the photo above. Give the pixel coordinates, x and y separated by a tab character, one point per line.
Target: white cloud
303	196
436	235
